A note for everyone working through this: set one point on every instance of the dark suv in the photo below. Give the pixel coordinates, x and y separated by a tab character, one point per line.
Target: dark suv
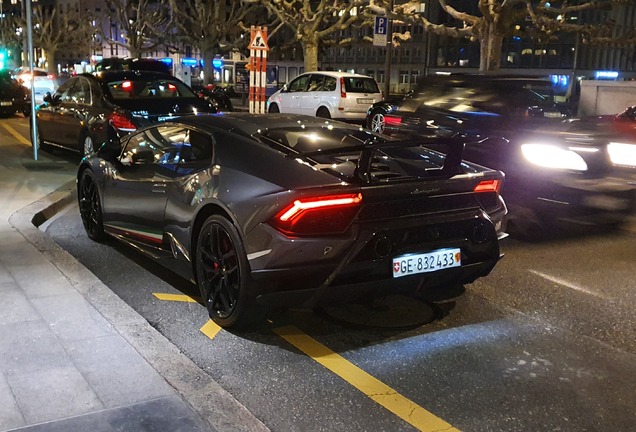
555	174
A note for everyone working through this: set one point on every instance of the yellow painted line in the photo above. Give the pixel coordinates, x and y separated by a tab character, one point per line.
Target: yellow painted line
367	384
210	329
16	134
175	297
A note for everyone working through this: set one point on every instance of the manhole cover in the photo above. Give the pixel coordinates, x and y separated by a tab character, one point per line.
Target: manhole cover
387	312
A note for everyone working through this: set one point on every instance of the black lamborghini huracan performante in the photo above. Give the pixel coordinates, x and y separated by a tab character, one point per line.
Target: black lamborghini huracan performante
280	210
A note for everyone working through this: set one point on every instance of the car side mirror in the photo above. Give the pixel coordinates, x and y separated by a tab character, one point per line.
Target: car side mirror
111	149
48	98
284	89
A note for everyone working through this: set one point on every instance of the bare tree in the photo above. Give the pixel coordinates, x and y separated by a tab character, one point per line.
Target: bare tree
143	23
210	26
8	36
498	18
314	22
53	29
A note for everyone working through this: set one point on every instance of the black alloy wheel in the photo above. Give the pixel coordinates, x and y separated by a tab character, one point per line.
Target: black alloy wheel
273	108
86	144
221	268
90	206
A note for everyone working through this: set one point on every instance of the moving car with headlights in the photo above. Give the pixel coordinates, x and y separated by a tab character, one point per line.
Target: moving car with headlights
275	210
42	81
14	97
88	110
336	95
556	174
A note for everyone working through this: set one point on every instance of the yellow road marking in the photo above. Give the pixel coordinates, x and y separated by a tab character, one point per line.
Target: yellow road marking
367	384
210	329
175	297
16	134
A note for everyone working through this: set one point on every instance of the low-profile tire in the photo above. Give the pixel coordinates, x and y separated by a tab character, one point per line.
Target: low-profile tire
87	146
323	113
90	206
273	108
222	275
376	121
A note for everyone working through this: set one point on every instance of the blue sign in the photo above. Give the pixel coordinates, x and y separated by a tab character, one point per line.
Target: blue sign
187	61
380	31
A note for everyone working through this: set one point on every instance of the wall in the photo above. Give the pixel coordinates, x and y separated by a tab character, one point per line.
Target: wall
606	97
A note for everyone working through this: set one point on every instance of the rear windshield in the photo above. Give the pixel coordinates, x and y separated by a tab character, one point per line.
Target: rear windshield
360	85
148	89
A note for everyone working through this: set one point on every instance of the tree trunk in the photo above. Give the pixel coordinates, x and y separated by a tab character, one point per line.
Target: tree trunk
310	52
208	72
50	60
490	44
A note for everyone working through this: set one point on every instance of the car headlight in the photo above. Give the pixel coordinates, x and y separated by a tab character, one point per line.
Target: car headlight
622	154
551	156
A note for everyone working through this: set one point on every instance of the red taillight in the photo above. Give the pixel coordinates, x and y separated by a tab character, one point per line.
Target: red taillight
121	123
50	76
343	90
330	214
127	85
391	120
172	87
488	186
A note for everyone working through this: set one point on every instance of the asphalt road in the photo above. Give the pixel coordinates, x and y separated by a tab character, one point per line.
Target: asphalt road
547	342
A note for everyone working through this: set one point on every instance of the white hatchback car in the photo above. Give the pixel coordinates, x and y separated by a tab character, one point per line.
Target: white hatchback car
336	95
43	81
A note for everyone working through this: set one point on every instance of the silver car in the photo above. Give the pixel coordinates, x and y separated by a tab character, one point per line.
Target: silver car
336	95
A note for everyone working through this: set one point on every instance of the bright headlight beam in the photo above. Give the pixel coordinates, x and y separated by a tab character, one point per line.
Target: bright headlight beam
622	154
554	157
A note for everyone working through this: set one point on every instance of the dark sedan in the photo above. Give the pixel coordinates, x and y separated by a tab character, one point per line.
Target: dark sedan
88	110
14	97
557	173
285	209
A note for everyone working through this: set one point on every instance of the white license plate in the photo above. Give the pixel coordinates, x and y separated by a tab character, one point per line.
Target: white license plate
428	262
6	103
552	114
365	101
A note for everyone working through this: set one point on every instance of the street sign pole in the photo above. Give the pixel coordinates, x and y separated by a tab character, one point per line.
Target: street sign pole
29	31
387	59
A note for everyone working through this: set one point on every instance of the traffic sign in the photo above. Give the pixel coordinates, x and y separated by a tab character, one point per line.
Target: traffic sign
380	31
259	41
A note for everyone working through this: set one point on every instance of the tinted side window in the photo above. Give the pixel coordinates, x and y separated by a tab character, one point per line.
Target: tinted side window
315	82
361	85
330	83
299	84
63	92
80	93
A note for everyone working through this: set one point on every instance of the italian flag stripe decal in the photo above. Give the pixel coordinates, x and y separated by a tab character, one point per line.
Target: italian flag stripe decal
145	235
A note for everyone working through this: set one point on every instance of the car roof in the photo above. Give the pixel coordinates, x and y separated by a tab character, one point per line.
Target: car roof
248	123
337	74
115	75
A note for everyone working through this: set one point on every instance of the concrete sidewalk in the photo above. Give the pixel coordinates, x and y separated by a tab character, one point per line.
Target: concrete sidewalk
73	355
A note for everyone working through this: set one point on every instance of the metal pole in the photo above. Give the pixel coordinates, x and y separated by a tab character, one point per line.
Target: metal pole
29	29
387	59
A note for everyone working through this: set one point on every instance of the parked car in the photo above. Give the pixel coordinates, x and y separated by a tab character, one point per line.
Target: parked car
14	97
336	95
216	96
87	110
43	82
329	211
127	64
556	174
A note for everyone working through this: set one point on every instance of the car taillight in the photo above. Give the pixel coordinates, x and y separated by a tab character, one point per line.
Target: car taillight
343	91
488	186
330	214
391	120
121	123
50	76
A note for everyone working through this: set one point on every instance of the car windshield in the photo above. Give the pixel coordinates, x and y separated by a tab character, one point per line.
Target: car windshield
147	89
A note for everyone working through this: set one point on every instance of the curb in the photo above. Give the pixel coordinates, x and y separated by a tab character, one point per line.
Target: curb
206	397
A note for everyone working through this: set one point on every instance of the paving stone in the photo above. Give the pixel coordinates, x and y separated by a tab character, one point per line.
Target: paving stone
53	393
40	280
71	317
116	372
161	415
15	306
29	347
10	415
